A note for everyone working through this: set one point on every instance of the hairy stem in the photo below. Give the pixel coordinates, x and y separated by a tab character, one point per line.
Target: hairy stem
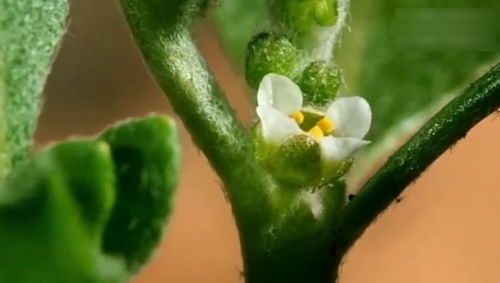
161	29
447	127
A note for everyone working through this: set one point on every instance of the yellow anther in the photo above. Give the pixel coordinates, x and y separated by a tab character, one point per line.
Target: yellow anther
298	117
316	132
326	125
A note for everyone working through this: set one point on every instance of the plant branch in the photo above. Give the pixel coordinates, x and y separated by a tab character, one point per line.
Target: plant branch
447	127
162	31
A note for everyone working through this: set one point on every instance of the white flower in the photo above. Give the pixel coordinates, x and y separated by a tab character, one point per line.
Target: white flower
339	131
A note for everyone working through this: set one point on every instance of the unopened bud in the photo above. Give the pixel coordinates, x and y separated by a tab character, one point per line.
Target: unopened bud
268	53
325	12
320	83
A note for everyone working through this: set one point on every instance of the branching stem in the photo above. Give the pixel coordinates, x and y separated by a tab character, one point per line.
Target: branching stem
283	242
440	133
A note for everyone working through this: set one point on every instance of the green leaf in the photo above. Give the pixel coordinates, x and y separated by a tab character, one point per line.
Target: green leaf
89	172
45	234
146	156
30	33
405	78
90	210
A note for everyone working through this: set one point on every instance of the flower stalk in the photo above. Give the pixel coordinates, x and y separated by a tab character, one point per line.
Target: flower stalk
446	128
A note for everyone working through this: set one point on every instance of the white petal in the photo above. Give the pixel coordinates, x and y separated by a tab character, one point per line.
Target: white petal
352	116
276	126
279	92
338	149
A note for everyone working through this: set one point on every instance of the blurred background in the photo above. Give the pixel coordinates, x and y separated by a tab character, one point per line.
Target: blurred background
445	229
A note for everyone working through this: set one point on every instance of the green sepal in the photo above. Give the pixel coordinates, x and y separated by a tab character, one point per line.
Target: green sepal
146	154
333	171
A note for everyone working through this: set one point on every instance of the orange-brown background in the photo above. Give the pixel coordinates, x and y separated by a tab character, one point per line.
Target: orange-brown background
445	230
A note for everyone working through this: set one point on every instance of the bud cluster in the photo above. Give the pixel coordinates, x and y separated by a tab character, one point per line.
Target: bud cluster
304	136
268	53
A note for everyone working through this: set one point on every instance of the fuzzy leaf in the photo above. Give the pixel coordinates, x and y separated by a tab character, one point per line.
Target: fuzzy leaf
146	156
90	211
45	234
30	33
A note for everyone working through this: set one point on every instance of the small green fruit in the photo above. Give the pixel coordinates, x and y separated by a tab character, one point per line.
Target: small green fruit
297	162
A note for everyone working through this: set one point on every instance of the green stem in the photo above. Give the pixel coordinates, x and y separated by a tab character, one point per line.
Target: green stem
297	246
161	29
447	127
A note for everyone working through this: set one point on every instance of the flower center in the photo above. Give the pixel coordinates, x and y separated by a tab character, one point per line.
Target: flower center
314	124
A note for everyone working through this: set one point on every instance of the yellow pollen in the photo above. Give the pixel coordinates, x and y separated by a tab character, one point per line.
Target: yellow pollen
316	132
326	125
298	117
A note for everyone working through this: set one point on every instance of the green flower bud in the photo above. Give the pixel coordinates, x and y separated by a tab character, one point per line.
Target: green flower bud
320	83
300	15
269	54
325	12
304	15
